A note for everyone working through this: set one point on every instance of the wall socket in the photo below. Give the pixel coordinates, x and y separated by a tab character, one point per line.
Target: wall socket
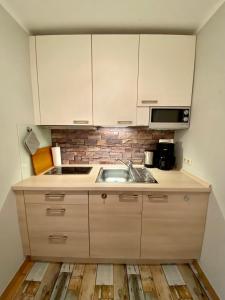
188	161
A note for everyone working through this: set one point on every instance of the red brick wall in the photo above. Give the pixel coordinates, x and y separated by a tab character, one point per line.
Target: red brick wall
105	145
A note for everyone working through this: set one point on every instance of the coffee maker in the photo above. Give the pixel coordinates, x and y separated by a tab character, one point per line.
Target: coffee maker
164	158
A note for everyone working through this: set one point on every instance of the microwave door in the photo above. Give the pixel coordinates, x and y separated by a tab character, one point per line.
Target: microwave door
169	118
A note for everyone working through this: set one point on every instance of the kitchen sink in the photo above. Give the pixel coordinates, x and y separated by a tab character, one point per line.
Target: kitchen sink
138	175
114	176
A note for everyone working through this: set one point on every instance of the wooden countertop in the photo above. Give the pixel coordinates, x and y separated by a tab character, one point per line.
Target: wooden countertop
167	181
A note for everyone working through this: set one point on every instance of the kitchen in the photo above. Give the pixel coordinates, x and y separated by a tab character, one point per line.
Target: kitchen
112	160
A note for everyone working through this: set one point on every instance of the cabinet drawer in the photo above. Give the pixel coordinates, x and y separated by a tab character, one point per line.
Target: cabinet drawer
59	244
56	197
42	217
114	245
115	203
179	206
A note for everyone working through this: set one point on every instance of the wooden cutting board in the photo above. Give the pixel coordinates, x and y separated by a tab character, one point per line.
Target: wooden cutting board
42	160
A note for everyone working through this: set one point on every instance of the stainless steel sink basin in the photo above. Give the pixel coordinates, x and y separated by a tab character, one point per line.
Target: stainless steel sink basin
114	176
138	175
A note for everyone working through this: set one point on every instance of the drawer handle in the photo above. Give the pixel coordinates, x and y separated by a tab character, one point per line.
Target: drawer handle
80	122
104	196
149	101
124	122
55	211
128	198
56	237
158	198
54	197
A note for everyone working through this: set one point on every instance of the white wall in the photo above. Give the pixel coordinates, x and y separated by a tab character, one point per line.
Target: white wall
15	108
204	142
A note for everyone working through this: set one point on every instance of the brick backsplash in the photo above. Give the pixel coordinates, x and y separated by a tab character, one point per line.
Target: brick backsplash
105	145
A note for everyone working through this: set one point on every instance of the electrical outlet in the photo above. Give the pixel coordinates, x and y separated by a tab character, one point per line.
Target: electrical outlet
188	161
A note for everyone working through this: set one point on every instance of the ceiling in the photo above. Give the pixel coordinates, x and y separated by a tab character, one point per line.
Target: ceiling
111	16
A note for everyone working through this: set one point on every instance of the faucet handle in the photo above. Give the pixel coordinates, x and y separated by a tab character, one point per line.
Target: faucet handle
130	163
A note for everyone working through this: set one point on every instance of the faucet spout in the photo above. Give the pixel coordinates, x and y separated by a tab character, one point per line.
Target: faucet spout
128	164
123	162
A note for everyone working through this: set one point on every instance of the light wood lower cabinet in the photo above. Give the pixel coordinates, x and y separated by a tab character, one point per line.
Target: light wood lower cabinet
56	228
173	225
115	225
112	225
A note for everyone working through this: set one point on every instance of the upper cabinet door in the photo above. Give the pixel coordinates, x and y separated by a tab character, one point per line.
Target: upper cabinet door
166	68
115	71
64	79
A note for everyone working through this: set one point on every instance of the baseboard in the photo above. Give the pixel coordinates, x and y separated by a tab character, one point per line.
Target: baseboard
202	278
89	260
20	275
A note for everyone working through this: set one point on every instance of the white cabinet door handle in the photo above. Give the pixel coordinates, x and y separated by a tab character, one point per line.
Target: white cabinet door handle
149	101
124	122
80	122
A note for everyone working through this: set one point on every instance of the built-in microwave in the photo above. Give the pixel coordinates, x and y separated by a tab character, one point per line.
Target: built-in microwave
169	117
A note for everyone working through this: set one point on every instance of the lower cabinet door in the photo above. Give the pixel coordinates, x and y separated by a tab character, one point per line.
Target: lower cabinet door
115	236
173	225
115	225
59	244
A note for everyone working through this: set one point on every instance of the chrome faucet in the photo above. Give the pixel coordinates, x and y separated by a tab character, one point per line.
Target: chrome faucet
128	164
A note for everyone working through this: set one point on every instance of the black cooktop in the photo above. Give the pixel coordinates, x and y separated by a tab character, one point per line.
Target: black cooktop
69	171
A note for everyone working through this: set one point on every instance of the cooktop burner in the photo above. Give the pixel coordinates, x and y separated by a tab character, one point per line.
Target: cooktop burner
69	171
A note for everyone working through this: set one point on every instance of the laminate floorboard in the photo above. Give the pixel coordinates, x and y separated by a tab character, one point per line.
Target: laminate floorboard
59	281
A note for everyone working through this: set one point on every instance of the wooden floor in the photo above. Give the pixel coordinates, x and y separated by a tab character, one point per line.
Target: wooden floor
121	282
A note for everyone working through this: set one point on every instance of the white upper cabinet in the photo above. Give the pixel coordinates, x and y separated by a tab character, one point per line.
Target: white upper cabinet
142	116
115	71
166	68
67	69
64	79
